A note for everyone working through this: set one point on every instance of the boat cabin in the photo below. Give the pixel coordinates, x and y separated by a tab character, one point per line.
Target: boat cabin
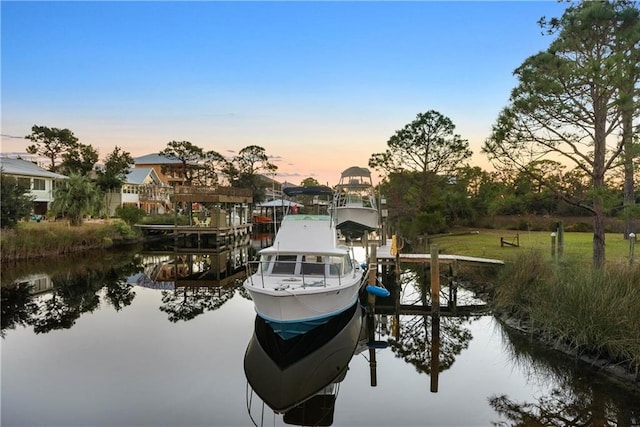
324	265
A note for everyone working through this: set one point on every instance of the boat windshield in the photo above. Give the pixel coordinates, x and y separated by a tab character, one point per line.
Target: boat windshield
306	265
339	265
284	264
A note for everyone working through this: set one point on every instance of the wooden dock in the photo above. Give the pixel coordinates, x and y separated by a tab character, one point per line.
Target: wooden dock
382	256
385	258
199	237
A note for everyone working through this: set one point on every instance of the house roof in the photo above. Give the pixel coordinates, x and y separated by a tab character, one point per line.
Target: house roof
138	175
26	168
154	159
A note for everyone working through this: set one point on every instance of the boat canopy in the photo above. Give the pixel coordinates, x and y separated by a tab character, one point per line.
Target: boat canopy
319	190
356	171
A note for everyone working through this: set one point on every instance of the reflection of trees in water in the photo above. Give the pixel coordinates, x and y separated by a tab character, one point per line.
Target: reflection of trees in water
415	341
117	292
414	344
186	303
575	400
243	292
74	292
72	295
17	306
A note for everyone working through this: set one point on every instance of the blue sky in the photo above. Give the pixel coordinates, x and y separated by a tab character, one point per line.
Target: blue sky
320	85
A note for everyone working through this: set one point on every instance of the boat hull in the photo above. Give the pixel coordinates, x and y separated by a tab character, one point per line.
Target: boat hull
354	222
285	374
295	312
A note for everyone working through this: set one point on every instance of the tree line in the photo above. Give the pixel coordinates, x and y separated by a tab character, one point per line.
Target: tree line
89	184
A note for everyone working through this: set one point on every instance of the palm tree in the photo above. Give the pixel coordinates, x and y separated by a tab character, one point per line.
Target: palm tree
75	198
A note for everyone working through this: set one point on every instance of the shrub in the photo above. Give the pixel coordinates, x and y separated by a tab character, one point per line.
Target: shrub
588	311
130	214
580	227
123	230
429	223
16	201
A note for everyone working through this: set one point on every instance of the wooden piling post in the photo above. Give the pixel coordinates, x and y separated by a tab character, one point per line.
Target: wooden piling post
453	286
373	271
435	353
371	325
435	281
398	287
365	243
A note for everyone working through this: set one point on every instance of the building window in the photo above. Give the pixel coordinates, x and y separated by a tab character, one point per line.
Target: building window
39	184
25	182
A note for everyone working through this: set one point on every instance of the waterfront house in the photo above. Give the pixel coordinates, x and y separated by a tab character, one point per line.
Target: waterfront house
144	189
40	181
166	169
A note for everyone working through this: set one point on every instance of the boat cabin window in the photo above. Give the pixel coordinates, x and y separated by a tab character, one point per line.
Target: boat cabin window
354	199
339	265
284	264
264	263
313	265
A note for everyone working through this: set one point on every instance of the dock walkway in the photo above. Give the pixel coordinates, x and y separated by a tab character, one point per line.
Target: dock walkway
384	257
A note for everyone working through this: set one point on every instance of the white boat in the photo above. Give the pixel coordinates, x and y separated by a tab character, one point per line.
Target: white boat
300	378
354	203
305	277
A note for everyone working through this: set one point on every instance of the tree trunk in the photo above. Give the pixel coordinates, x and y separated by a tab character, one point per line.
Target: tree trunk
600	149
628	192
598	236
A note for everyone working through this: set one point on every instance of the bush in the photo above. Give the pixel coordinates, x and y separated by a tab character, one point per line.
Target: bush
429	223
16	201
123	229
581	227
586	310
130	214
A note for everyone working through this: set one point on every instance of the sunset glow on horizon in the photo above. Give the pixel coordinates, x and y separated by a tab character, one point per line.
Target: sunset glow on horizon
319	85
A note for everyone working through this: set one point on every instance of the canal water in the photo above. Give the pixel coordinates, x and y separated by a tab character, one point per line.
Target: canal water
156	338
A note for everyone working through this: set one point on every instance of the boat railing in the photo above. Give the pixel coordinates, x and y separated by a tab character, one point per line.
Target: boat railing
309	273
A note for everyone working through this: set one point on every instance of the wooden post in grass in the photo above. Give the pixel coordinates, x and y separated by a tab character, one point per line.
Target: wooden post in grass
560	245
435	281
632	244
553	246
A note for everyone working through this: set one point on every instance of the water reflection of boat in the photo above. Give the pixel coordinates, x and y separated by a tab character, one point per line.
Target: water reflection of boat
354	203
305	277
300	377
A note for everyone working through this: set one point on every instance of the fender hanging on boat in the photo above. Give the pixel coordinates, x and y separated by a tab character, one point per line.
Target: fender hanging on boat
377	291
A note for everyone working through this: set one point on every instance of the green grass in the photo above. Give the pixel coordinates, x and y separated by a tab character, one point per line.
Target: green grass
35	240
596	312
486	244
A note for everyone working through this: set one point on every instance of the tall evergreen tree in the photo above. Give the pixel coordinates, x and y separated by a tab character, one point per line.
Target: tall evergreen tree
566	106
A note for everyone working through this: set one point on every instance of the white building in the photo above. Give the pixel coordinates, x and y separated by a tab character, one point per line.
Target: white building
40	181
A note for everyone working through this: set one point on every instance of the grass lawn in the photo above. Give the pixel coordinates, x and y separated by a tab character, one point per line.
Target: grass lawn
486	244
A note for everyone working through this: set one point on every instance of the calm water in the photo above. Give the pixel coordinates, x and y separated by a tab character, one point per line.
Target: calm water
102	344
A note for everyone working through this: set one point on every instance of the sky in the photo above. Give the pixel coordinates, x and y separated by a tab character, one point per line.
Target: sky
321	86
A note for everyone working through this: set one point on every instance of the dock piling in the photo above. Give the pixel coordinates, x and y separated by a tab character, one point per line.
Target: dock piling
435	281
